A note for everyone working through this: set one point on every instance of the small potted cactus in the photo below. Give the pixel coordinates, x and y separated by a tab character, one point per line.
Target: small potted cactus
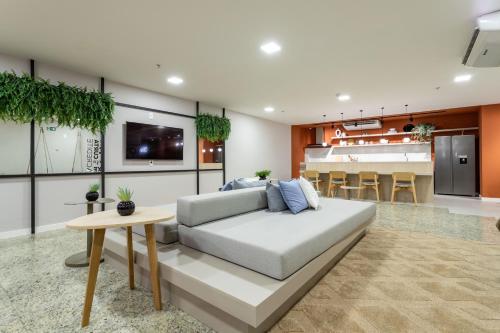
125	207
93	193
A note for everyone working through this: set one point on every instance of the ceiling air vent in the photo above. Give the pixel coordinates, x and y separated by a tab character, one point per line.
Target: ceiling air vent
365	124
484	48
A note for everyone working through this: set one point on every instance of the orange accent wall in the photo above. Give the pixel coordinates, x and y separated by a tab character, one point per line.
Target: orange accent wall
489	122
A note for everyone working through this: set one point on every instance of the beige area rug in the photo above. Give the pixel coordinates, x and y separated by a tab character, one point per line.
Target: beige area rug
407	281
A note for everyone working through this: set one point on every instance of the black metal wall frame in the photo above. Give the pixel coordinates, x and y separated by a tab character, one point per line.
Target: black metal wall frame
32	175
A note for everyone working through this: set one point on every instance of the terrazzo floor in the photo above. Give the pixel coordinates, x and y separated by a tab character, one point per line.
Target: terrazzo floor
418	269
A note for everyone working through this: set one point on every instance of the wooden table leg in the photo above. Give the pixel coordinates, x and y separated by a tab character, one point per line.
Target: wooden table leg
95	259
153	264
130	248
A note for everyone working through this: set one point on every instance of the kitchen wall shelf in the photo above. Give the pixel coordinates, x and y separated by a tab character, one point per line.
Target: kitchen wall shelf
383	144
318	146
462	129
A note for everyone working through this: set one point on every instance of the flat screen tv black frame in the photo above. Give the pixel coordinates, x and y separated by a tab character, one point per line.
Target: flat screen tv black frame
173	149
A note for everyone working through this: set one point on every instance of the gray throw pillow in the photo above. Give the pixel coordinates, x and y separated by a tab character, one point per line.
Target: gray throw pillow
274	198
228	186
239	184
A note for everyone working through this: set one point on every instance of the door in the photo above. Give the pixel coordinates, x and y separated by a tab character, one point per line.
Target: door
464	164
443	174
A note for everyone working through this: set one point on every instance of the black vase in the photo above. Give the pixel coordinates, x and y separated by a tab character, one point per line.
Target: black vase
408	127
125	208
262	177
92	196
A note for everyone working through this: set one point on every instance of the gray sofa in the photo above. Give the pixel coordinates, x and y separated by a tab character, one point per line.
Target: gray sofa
237	227
165	232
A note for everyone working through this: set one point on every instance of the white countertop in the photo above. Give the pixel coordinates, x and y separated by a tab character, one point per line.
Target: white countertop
420	168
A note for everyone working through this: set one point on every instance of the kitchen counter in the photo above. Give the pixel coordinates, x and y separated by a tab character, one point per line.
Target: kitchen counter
424	182
420	168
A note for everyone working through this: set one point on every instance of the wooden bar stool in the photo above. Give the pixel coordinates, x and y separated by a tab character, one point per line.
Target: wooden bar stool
313	177
368	180
403	181
335	180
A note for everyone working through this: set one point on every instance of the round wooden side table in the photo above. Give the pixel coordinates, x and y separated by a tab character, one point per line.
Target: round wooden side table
98	223
81	259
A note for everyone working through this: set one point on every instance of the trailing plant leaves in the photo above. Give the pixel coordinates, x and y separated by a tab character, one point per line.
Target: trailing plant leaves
423	132
213	128
23	99
124	194
263	173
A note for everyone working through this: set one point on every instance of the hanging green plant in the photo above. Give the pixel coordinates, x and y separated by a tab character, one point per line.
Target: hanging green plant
213	128
23	99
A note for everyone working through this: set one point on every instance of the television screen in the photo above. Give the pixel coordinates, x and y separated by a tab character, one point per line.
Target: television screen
154	142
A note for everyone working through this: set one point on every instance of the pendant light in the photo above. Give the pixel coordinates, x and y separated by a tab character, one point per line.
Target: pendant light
408	127
382	139
361	141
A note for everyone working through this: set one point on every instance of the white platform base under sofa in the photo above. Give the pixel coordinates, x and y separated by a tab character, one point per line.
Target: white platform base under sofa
225	296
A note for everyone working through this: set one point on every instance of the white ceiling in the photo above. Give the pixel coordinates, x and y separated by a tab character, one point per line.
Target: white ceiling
383	53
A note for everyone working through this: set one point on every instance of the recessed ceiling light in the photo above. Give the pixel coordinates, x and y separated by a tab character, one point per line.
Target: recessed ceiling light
343	97
269	109
462	78
270	47
175	80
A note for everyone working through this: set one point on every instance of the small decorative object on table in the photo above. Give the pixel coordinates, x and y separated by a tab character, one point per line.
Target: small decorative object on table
81	259
93	194
125	207
263	174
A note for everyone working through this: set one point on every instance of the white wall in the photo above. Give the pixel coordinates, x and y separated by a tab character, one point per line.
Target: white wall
253	144
256	144
153	189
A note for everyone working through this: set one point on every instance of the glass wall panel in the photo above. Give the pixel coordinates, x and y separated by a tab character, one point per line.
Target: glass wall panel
14	148
210	154
66	150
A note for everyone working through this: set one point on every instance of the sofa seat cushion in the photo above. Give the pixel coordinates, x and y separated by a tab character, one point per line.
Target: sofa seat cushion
279	244
165	232
198	209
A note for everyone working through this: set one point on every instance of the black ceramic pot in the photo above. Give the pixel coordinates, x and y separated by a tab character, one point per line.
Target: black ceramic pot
262	177
125	208
408	127
92	196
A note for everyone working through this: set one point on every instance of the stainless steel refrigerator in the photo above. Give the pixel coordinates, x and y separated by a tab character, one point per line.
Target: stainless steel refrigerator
455	165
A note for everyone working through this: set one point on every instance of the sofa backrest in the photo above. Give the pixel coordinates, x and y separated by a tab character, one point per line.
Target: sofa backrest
194	210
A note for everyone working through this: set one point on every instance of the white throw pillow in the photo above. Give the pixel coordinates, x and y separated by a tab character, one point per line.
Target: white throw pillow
309	192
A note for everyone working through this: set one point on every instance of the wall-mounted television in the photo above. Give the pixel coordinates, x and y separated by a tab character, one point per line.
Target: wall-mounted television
154	142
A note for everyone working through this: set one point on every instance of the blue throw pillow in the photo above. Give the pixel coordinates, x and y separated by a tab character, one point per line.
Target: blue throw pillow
227	186
239	184
274	198
293	196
